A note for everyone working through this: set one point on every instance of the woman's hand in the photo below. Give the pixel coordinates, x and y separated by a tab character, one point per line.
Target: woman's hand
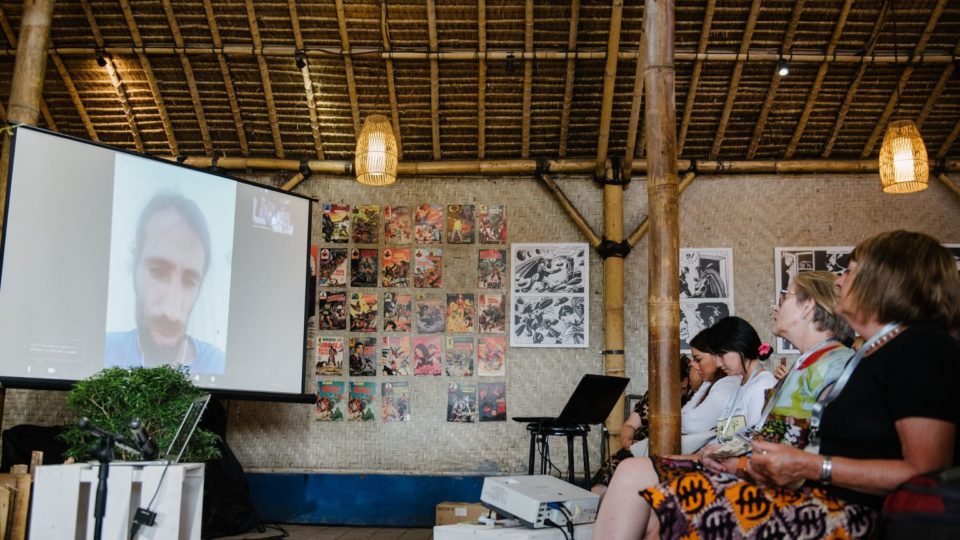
782	369
781	465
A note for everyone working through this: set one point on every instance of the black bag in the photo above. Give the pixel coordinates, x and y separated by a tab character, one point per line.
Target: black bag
926	507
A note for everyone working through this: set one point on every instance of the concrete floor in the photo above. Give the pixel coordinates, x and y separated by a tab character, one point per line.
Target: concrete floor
322	532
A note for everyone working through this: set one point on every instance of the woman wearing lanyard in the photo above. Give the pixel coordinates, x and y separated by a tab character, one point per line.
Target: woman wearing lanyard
889	416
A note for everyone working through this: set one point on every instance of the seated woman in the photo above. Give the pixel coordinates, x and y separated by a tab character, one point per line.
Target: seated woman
886	419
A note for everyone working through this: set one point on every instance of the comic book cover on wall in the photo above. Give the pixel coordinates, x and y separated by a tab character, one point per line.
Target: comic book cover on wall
430	314
365	219
459	353
361	405
462	402
493	401
396	267
395	401
336	223
397	312
363	312
330	398
363	356
329	355
397	225
428	224
790	261
363	267
461	312
427	359
706	290
492	223
493	316
332	267
460	227
395	355
548	321
331	310
491	268
428	268
491	356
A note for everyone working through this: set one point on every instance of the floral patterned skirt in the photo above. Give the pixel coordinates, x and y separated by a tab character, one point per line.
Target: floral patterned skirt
694	503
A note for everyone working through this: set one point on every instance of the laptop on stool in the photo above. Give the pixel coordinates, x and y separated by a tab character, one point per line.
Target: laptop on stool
590	403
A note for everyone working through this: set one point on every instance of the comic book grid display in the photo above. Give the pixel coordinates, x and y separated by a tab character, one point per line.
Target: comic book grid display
706	290
387	293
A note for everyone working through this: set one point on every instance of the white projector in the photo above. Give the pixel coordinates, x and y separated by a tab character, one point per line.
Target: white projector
533	500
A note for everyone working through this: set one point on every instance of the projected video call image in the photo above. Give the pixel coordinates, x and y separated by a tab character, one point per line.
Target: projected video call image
271	213
170	253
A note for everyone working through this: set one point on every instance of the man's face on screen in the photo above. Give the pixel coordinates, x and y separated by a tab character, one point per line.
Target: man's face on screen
167	280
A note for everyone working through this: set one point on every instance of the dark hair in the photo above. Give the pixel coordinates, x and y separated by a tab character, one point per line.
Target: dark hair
183	206
684	367
701	341
733	334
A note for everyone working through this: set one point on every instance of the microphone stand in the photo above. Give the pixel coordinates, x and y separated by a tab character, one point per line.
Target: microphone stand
104	454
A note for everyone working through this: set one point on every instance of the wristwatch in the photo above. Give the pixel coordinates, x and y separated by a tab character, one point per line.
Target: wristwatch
826	470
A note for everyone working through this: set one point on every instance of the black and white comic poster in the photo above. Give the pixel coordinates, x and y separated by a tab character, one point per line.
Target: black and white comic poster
549	293
955	249
706	290
791	261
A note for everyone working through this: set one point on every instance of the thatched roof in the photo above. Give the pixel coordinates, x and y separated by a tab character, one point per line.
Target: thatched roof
466	80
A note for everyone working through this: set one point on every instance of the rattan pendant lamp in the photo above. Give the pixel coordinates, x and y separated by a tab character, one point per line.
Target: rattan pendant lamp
375	161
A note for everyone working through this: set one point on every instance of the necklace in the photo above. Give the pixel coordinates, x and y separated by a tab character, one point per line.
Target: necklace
871	346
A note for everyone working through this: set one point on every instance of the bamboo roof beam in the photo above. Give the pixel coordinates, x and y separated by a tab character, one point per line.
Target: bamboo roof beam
633	149
609	82
881	124
937	90
3	111
735	79
227	79
391	85
434	79
592	238
151	79
48	116
954	133
191	79
817	83
775	79
307	80
74	96
481	79
265	77
695	76
570	77
949	183
527	80
293	182
348	67
115	79
12	40
855	85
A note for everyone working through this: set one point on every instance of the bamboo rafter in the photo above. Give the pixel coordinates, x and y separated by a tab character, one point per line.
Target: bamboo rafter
855	85
818	82
434	79
191	79
937	90
954	133
609	80
527	100
949	183
348	68
391	86
12	39
735	79
481	78
695	77
265	77
47	117
3	111
633	150
570	77
227	79
307	81
592	238
775	80
881	124
74	96
151	79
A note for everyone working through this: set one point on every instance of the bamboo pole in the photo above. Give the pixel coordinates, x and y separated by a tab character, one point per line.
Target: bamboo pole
695	77
948	142
391	85
265	78
227	79
663	291
527	100
307	80
47	116
614	343
26	90
644	226
634	123
570	209
482	79
609	80
949	183
293	182
434	79
191	79
817	82
74	96
936	92
735	79
121	92
570	77
12	39
881	124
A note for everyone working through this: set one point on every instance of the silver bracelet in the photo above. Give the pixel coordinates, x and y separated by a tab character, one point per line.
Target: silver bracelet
826	470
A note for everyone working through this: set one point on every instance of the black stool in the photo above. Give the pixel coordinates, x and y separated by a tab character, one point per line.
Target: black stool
540	431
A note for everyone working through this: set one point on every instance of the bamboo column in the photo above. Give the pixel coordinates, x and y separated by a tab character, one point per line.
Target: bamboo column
613	335
663	290
26	89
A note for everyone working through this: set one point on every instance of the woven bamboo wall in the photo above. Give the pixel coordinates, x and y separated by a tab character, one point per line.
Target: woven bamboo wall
750	215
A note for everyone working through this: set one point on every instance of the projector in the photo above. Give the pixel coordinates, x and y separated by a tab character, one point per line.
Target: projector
533	500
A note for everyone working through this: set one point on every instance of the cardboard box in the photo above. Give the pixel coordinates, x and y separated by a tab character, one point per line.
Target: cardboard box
449	513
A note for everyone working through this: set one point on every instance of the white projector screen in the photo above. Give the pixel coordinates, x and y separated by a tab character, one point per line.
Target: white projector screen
116	259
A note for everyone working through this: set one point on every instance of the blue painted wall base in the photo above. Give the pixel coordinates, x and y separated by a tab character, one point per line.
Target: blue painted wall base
358	499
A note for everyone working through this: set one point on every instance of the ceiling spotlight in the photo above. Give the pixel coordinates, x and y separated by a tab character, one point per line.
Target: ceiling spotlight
301	61
101	61
783	69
